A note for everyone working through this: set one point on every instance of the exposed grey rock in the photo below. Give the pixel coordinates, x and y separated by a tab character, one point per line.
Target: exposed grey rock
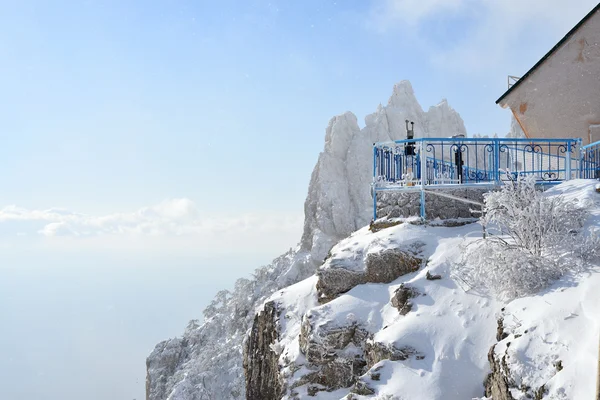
261	362
498	383
362	388
383	267
166	358
401	298
334	281
389	265
338	356
501	379
431	277
382	224
334	354
375	352
500	334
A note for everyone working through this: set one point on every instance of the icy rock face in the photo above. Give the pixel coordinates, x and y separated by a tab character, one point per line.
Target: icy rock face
207	362
164	360
209	365
261	357
333	352
339	200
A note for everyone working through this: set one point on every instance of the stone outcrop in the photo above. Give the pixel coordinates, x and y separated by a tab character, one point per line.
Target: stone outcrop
334	354
401	298
261	359
383	267
375	352
498	383
337	356
166	358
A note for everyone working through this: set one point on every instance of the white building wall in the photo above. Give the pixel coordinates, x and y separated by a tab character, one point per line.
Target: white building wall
561	98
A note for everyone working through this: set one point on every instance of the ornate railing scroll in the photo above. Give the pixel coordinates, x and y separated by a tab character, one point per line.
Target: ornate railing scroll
478	161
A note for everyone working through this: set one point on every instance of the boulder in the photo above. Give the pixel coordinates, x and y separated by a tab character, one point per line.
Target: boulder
383	267
401	298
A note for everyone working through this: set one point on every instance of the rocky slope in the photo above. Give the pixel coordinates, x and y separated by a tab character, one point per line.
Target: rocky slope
386	317
206	362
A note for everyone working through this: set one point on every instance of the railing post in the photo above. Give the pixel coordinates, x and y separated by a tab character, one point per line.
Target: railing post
497	161
374	182
580	157
423	177
423	164
568	161
423	216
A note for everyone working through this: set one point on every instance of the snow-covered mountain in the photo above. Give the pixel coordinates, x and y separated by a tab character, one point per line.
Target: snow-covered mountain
206	362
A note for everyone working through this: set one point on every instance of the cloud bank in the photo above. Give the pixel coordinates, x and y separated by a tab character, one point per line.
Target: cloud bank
171	222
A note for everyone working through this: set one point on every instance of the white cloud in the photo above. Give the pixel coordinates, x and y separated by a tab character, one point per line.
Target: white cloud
172	223
388	14
495	32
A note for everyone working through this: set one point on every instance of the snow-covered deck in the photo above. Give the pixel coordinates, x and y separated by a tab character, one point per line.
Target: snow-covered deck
453	163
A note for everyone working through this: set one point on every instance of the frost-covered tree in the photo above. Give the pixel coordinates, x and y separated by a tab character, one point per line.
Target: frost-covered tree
532	240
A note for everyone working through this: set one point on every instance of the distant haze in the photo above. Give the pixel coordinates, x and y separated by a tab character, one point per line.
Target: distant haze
80	325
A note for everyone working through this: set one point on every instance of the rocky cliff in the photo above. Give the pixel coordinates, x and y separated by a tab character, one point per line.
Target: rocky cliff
372	319
387	316
206	363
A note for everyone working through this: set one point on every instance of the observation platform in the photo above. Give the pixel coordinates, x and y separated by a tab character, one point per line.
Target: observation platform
434	165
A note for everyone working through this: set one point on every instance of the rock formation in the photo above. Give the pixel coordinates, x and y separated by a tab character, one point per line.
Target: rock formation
209	365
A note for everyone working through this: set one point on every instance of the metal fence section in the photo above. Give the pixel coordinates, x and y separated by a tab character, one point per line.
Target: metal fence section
451	163
590	161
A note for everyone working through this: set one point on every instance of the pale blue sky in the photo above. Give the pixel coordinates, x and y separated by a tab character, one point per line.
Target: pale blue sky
109	106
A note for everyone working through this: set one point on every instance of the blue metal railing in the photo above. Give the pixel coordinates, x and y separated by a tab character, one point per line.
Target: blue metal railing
466	161
590	161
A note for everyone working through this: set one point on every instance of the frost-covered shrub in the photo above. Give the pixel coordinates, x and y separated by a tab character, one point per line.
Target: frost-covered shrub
533	239
532	221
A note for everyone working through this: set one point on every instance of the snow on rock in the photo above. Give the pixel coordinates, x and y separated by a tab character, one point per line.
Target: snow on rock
439	348
359	346
379	262
549	341
209	365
